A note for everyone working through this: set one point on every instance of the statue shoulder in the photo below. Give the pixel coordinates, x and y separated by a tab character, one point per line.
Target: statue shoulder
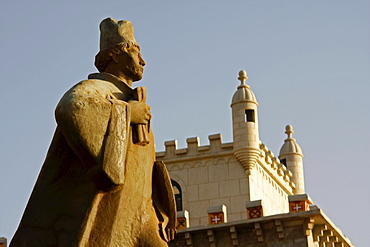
87	94
90	87
86	88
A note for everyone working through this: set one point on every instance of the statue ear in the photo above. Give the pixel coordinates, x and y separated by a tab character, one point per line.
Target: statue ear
115	57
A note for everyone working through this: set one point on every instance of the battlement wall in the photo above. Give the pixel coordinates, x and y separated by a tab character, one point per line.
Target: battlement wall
267	161
275	169
214	149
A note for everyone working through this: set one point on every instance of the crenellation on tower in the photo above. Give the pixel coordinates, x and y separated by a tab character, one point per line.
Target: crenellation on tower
215	142
277	171
171	147
215	147
193	144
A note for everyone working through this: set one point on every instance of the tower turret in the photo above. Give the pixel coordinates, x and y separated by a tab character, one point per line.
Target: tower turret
291	156
245	125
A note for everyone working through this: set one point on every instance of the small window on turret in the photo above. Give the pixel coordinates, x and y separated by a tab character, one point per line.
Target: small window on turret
283	161
249	116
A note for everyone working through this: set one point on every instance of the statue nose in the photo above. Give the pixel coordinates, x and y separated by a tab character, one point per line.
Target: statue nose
142	62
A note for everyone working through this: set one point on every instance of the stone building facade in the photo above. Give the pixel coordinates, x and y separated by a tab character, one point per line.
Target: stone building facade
240	193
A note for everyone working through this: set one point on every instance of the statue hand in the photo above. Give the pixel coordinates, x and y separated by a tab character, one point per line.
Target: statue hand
170	233
140	112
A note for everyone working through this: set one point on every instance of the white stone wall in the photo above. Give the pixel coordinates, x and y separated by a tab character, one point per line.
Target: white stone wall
211	182
264	187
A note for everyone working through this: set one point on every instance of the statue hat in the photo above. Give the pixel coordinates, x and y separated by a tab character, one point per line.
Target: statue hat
113	32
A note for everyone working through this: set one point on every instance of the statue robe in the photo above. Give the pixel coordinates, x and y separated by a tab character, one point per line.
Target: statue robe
95	187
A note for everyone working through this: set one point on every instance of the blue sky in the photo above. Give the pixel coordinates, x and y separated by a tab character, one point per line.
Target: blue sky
307	61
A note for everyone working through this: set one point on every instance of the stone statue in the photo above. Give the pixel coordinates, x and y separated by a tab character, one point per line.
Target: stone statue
100	184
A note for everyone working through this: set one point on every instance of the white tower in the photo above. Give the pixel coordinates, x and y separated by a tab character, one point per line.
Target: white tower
245	125
291	156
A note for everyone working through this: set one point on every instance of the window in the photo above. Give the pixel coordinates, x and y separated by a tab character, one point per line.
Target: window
249	116
283	161
178	195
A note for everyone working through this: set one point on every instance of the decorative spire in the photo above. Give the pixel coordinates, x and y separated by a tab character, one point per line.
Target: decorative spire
289	131
290	145
242	78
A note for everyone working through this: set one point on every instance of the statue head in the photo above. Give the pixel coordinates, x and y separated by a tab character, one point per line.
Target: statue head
118	46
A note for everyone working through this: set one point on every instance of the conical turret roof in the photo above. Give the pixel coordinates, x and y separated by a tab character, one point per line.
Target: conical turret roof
244	93
290	145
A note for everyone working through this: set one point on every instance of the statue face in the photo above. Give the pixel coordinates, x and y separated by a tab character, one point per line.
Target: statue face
131	63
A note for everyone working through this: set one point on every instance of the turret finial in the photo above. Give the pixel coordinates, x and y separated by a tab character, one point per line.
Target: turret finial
289	131
242	77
